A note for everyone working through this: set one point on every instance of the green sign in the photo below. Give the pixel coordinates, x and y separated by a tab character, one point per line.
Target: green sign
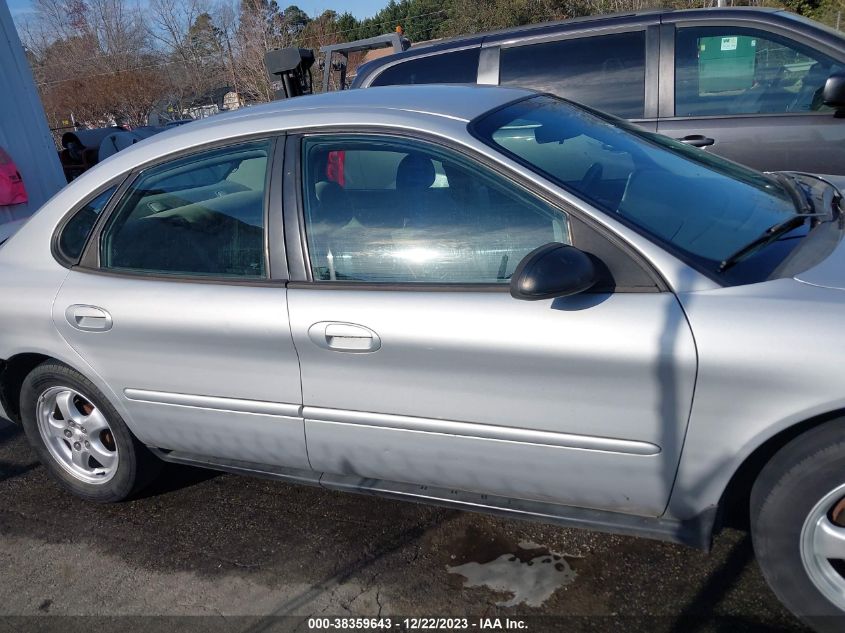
726	63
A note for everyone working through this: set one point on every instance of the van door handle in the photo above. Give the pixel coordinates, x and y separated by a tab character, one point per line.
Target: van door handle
344	337
697	140
88	318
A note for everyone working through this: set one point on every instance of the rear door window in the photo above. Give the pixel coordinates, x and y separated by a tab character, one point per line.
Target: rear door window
202	215
456	67
605	72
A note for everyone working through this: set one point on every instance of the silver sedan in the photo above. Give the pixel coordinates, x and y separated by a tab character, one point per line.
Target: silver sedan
484	298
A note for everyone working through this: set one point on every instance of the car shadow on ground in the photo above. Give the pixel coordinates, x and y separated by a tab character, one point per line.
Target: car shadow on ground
175	477
694	616
11	469
312	548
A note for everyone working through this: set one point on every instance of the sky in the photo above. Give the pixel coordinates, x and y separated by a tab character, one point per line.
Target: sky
358	8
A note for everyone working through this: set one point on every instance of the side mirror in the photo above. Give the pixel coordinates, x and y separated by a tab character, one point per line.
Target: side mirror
833	94
553	270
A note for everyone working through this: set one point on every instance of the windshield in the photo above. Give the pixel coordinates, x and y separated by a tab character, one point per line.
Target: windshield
695	203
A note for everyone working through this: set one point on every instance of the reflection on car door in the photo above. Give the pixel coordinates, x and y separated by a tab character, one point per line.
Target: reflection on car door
418	367
173	308
751	96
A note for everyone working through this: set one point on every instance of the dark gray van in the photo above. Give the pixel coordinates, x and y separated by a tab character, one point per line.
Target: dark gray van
748	84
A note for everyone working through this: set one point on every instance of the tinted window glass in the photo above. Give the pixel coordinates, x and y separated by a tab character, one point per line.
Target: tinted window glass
606	73
422	215
201	215
458	67
76	231
724	71
699	204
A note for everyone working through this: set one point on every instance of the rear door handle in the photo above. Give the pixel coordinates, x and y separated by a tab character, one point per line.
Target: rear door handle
697	140
88	318
344	337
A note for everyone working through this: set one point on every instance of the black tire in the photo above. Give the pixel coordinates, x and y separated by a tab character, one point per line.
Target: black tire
136	466
785	493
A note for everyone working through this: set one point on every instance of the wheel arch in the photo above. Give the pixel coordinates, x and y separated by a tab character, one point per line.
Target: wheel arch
15	369
734	502
13	372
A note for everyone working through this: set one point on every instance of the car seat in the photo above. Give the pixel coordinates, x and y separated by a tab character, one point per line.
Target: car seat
414	177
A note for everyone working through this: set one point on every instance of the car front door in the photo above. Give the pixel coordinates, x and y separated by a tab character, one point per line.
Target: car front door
174	307
419	367
750	95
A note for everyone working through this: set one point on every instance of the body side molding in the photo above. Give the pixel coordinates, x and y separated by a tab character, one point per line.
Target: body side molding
214	402
483	431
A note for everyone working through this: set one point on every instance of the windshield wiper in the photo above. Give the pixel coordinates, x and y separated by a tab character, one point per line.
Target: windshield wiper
800	198
803	201
769	235
836	197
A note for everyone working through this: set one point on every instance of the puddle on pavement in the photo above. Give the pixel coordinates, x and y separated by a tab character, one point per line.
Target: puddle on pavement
528	571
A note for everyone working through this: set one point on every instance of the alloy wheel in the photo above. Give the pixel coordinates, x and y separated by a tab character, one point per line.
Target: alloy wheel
823	546
77	435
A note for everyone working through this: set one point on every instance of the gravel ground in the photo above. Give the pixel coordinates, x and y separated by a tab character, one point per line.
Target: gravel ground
209	552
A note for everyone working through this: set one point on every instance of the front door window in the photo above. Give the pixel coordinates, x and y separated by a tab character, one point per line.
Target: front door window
729	70
391	210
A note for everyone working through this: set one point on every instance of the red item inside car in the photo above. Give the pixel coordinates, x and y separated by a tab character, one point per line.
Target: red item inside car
334	169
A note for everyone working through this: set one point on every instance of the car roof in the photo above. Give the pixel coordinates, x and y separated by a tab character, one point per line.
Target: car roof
432	108
539	29
621	16
462	102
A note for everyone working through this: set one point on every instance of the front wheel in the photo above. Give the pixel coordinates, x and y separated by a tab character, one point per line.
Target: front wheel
798	525
80	437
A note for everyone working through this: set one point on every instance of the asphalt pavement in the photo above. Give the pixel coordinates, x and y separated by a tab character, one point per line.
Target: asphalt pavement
209	551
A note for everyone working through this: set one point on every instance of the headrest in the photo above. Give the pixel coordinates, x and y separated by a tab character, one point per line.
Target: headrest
415	172
334	205
327	191
816	73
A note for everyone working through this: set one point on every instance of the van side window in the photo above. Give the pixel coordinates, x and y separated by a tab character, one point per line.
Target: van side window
606	72
456	67
731	70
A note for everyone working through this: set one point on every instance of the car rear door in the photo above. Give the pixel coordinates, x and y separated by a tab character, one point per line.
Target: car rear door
751	93
179	308
419	367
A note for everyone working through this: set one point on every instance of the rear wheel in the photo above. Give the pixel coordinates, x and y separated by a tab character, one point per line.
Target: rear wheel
798	525
80	437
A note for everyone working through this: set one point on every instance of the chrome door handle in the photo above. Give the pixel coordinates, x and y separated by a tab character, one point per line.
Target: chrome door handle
88	318
697	140
344	337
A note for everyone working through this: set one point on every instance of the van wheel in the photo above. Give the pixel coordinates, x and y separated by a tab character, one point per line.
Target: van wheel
80	437
798	525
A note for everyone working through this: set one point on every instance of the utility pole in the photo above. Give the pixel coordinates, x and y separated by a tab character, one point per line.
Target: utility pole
838	20
722	3
232	68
